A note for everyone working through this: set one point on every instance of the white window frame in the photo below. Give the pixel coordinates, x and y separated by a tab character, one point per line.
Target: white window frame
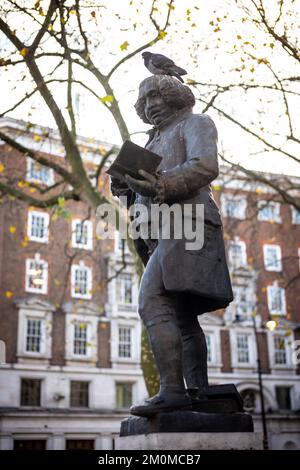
262	204
88	340
120	288
42	335
234	333
89	225
295	216
42	215
135	326
236	305
38	311
242	245
214	347
125	343
48	182
270	290
91	320
275	267
81	266
44	286
241	210
288	349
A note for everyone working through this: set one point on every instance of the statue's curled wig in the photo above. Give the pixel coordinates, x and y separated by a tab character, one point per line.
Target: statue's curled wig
173	92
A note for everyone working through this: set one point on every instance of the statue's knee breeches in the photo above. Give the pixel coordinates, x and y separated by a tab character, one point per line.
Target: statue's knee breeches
155	303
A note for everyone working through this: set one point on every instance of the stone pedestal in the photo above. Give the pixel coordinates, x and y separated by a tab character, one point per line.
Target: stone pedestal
187	422
191	441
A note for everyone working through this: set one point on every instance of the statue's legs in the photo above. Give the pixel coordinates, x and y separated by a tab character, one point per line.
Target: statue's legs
194	351
158	312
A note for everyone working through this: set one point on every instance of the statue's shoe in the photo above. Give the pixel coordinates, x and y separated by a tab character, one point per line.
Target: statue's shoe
162	404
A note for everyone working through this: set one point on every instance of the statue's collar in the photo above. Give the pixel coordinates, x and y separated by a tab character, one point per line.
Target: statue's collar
177	116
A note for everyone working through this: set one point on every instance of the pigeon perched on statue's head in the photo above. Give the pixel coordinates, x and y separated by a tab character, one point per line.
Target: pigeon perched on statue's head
159	64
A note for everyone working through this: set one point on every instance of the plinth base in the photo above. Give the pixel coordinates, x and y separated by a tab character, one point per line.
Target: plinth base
187	422
191	441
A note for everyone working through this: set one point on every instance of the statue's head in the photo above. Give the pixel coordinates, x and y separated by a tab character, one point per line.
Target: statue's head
160	96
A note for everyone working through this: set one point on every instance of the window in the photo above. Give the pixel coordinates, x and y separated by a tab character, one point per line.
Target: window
80	339
208	345
38	173
123	395
280	350
276	300
269	211
80	444
124	289
34	335
82	234
283	396
242	349
120	244
233	206
36	275
30	444
272	257
125	342
81	281
38	225
295	216
79	394
242	301
237	254
31	392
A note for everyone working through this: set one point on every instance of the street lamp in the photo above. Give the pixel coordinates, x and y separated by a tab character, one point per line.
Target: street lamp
260	384
271	325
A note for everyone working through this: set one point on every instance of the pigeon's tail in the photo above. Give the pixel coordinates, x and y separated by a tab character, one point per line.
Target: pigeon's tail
179	70
177	76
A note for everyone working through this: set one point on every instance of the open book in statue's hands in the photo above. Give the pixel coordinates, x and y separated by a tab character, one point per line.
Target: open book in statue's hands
131	159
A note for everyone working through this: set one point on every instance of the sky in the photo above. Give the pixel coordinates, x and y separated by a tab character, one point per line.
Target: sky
206	37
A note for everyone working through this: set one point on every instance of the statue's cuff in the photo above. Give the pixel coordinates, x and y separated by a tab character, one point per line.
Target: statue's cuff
170	187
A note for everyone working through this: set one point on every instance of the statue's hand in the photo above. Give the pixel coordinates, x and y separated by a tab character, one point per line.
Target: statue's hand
145	187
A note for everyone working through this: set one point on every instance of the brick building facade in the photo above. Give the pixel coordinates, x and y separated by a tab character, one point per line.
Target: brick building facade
73	338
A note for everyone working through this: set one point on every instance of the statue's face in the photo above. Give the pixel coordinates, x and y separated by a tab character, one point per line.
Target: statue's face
156	109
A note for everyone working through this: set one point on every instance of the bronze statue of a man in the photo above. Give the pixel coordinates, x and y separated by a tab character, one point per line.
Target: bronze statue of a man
178	284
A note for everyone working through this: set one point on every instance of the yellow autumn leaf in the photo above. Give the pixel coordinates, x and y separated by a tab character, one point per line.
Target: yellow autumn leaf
107	99
24	244
124	46
217	187
2	167
24	52
162	34
21	184
8	294
72	12
36	138
12	229
32	190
